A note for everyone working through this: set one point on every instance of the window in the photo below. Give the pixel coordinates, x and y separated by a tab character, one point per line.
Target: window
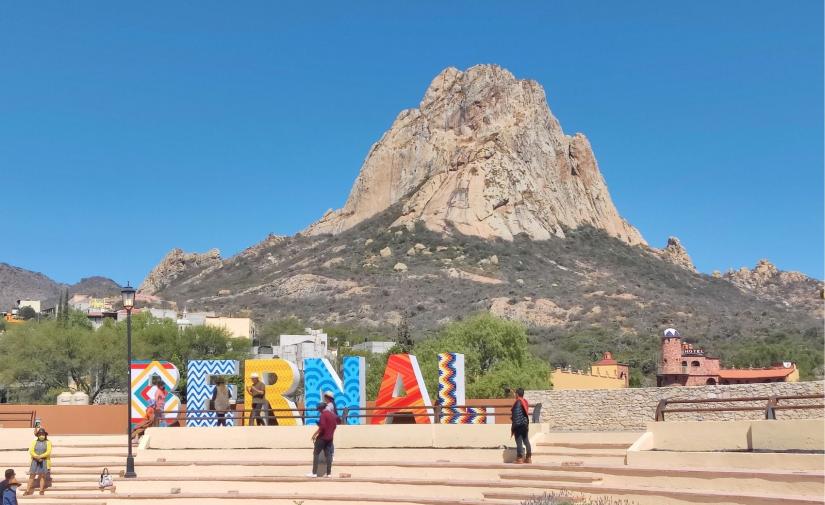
684	363
694	363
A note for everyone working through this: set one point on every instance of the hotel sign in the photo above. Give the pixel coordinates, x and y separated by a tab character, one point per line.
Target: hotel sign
693	352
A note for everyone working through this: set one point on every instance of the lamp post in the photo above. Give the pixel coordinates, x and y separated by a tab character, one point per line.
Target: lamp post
128	294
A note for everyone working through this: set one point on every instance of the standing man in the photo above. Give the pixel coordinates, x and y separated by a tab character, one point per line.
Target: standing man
257	390
322	439
521	426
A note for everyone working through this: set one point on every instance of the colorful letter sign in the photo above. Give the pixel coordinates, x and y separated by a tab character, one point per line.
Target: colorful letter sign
451	392
319	377
402	386
286	376
143	390
199	391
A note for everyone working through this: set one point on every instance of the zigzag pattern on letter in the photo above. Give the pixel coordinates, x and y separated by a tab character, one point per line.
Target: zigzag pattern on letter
199	391
451	392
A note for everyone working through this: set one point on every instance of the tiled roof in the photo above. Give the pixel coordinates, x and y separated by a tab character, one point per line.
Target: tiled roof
755	373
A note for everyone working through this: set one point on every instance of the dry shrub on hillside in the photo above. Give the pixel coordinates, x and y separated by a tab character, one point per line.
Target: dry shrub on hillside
567	498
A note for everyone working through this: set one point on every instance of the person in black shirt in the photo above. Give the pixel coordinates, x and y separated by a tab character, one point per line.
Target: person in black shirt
521	426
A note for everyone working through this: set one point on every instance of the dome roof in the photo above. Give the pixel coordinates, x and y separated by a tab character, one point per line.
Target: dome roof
671	333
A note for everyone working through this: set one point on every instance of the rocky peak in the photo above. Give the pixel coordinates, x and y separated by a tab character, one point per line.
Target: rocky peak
767	282
270	241
676	253
482	154
175	263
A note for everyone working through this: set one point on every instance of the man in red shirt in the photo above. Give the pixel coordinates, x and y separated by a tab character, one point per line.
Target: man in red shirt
323	439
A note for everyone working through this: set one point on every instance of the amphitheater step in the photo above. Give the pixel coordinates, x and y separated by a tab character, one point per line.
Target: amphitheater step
295	497
687	495
586	445
58	487
551	476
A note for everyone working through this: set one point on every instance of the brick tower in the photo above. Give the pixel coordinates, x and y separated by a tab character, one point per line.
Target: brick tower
671	363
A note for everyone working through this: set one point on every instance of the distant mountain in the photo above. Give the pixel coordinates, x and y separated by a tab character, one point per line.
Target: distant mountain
20	284
478	201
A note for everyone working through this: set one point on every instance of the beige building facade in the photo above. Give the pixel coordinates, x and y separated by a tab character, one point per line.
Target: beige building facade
238	327
607	373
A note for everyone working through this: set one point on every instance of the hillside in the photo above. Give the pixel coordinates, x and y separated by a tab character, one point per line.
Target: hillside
21	284
478	201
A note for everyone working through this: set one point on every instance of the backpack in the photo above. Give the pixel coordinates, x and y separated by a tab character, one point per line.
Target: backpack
105	479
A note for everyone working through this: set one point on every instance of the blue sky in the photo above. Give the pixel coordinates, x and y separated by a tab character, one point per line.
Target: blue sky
127	129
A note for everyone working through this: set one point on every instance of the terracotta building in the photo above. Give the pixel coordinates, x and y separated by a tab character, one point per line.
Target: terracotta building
681	364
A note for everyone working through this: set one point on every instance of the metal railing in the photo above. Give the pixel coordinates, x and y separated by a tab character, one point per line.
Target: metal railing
18	416
770	407
438	412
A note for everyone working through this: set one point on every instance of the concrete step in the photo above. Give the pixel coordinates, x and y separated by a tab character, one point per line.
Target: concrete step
714	497
294	497
551	476
394	481
56	487
585	445
579	453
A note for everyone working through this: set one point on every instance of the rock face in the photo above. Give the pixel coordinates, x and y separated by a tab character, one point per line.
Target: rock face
675	253
174	264
482	155
788	288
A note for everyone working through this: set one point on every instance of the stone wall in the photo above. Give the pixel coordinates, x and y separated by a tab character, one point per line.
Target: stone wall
633	408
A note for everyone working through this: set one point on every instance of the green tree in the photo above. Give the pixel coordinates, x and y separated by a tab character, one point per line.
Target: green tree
403	339
26	313
40	357
496	356
271	331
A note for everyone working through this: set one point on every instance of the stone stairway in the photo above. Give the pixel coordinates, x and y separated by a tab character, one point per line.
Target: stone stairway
589	464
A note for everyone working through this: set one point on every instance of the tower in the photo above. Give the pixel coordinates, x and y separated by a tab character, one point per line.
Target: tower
671	362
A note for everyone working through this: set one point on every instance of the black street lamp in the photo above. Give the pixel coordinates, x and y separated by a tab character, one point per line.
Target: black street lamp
128	294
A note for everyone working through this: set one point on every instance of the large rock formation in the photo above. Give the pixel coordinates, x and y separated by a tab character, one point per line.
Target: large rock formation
676	253
484	155
174	264
787	288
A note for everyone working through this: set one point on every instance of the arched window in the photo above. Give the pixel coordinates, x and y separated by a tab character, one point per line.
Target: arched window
711	382
694	363
684	363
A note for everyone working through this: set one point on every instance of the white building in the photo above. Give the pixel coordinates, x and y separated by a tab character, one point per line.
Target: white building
295	348
34	304
374	347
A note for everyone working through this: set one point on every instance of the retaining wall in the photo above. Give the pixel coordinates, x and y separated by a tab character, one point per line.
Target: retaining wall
630	409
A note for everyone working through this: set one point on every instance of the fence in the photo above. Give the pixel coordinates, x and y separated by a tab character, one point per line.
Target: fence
397	415
770	407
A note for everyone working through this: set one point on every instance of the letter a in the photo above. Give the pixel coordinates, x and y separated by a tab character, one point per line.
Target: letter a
402	373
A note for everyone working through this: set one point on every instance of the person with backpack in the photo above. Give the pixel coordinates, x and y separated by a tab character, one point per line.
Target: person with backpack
221	400
521	426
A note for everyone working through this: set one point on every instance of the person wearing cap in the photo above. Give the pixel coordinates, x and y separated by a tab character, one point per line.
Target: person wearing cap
257	390
8	489
322	439
40	452
329	398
